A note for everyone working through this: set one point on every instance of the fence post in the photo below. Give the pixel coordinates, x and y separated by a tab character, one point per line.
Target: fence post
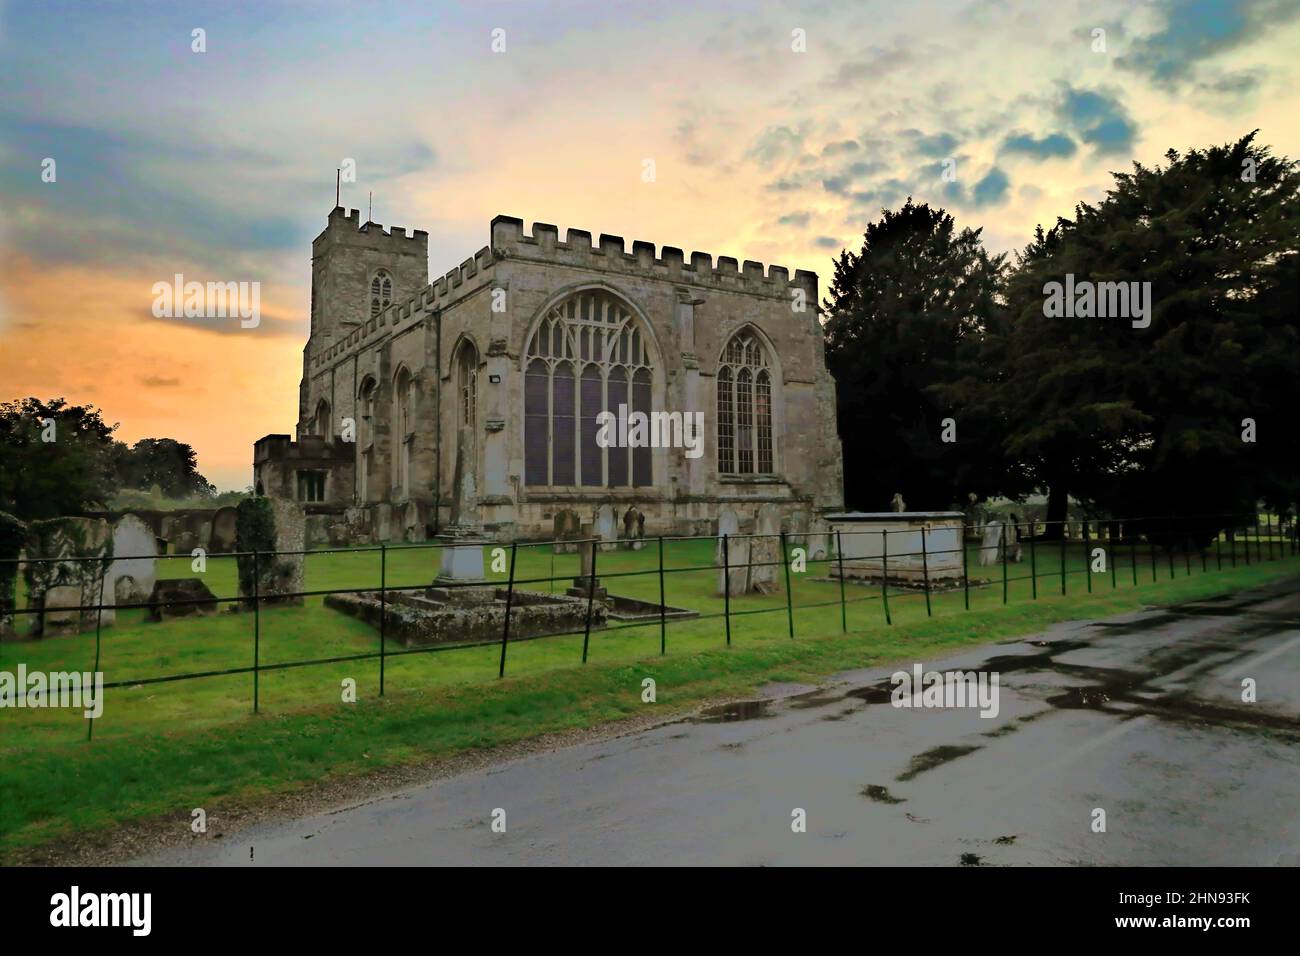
1065	527
965	566
99	620
1033	558
663	605
726	586
1112	556
1087	556
1133	554
839	555
510	600
1270	537
1002	535
591	598
257	625
1155	565
383	612
925	572
1247	549
789	598
884	574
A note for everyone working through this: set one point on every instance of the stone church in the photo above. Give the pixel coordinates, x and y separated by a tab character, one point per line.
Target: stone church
497	372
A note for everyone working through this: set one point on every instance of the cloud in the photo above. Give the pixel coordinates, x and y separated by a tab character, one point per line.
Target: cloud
1051	146
1197	30
872	64
827	242
155	381
991	189
935	145
841	147
1098	119
776	143
799	219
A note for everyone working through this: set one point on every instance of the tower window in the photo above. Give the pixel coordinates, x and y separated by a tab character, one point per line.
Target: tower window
381	292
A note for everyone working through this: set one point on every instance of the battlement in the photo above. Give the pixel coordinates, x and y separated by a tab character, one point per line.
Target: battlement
510	240
457	283
346	225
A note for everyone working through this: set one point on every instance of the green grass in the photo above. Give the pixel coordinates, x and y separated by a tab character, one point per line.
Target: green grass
160	748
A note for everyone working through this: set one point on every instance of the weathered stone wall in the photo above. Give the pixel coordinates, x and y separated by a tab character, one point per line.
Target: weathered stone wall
58	581
691	305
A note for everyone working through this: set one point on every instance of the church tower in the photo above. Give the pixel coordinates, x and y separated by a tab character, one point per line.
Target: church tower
357	271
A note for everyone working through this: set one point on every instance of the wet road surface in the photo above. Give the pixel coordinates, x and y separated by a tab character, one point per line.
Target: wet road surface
1140	716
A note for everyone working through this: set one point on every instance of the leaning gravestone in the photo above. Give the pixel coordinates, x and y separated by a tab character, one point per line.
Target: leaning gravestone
606	527
275	528
765	552
819	533
733	558
989	548
53	548
135	561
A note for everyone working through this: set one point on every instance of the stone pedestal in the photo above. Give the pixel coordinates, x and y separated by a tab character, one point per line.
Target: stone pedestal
462	559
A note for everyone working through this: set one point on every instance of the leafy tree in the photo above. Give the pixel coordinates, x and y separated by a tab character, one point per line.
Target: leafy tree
55	458
907	317
165	462
1149	421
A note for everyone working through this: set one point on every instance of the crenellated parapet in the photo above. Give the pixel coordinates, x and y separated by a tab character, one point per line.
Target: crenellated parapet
610	254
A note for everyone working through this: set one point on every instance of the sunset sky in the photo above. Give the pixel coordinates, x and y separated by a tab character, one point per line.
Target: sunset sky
220	165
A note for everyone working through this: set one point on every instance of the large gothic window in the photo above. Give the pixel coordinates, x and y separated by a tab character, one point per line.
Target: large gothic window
588	355
745	408
381	292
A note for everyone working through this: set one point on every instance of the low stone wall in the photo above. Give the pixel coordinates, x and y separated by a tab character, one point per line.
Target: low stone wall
532	614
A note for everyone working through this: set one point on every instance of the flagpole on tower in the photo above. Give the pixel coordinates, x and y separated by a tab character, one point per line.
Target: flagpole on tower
338	180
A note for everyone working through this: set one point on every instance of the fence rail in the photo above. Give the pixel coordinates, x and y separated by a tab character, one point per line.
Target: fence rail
1156	545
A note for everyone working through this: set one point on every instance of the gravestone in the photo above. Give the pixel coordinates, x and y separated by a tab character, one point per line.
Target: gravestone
606	525
135	564
633	528
765	552
180	597
460	569
586	580
223	532
568	526
58	542
733	571
897	503
818	540
989	547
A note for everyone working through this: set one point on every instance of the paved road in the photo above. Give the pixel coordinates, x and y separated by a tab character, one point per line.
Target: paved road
1139	715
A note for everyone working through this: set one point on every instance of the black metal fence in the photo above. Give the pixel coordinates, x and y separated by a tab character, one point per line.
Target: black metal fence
1040	545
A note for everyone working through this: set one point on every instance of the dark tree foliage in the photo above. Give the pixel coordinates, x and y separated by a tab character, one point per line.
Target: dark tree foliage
907	315
165	462
1147	422
42	478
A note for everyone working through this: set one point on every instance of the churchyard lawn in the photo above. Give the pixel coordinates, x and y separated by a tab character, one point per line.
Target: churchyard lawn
163	748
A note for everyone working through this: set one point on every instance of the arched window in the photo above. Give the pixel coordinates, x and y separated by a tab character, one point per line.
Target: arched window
745	408
402	417
467	386
588	355
322	423
381	292
365	437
